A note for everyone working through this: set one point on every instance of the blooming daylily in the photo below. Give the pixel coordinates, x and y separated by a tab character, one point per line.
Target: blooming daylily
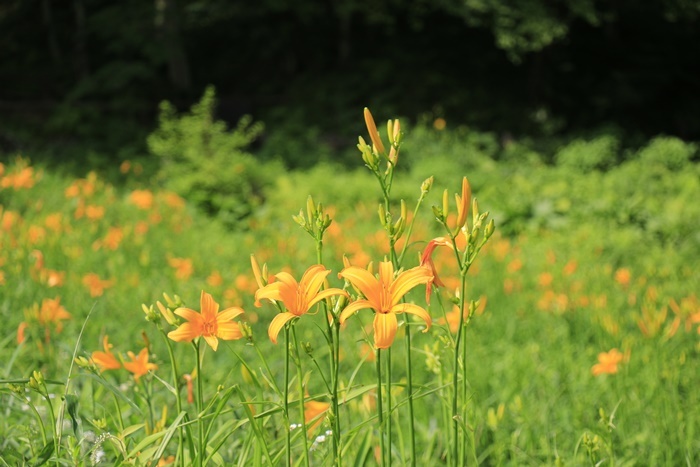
139	365
607	363
53	312
106	360
297	297
384	296
210	324
314	412
426	259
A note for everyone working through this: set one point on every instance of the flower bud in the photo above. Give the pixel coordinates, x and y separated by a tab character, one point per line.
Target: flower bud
426	185
445	203
488	231
167	314
373	133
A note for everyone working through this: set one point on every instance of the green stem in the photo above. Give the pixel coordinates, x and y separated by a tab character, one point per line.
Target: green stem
458	342
409	389
200	398
380	411
29	402
45	395
388	405
288	459
178	398
337	446
300	378
333	344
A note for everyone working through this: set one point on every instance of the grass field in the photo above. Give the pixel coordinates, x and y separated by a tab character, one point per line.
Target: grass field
583	348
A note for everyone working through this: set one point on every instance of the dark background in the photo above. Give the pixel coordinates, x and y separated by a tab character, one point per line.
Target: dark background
79	73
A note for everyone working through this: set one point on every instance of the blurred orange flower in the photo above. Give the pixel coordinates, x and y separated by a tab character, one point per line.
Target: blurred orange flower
183	267
52	312
314	412
210	324
607	363
139	365
94	212
215	279
142	199
106	360
95	284
623	276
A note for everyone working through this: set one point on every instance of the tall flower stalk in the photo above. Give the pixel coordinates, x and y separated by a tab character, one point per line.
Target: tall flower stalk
395	230
475	238
315	223
293	299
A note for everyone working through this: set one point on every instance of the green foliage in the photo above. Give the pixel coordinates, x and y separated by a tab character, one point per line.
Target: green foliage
598	153
670	152
206	163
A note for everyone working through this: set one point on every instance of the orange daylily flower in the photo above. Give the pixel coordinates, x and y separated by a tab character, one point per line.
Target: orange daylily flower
607	363
210	323
106	360
96	285
52	312
426	260
21	337
183	267
314	412
142	199
384	295
297	297
139	365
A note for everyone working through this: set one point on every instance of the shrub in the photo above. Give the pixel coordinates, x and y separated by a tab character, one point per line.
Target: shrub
667	151
207	163
599	153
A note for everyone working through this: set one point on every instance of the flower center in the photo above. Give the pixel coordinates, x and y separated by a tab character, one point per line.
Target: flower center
210	328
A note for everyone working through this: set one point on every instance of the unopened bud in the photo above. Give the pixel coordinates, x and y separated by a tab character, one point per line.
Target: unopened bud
445	203
167	314
488	231
382	215
373	133
426	185
246	330
310	208
299	219
82	362
150	313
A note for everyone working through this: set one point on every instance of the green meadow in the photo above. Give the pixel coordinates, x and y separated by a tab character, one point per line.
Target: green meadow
572	337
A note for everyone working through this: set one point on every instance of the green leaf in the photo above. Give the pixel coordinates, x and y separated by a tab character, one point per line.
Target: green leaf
44	455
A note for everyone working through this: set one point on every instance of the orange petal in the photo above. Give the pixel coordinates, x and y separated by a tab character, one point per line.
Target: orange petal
277	324
269	292
229	331
325	294
212	341
208	306
385	325
408	280
184	333
228	314
352	308
364	281
188	314
414	310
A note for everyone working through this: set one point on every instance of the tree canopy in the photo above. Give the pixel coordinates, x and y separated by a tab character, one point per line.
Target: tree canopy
98	69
